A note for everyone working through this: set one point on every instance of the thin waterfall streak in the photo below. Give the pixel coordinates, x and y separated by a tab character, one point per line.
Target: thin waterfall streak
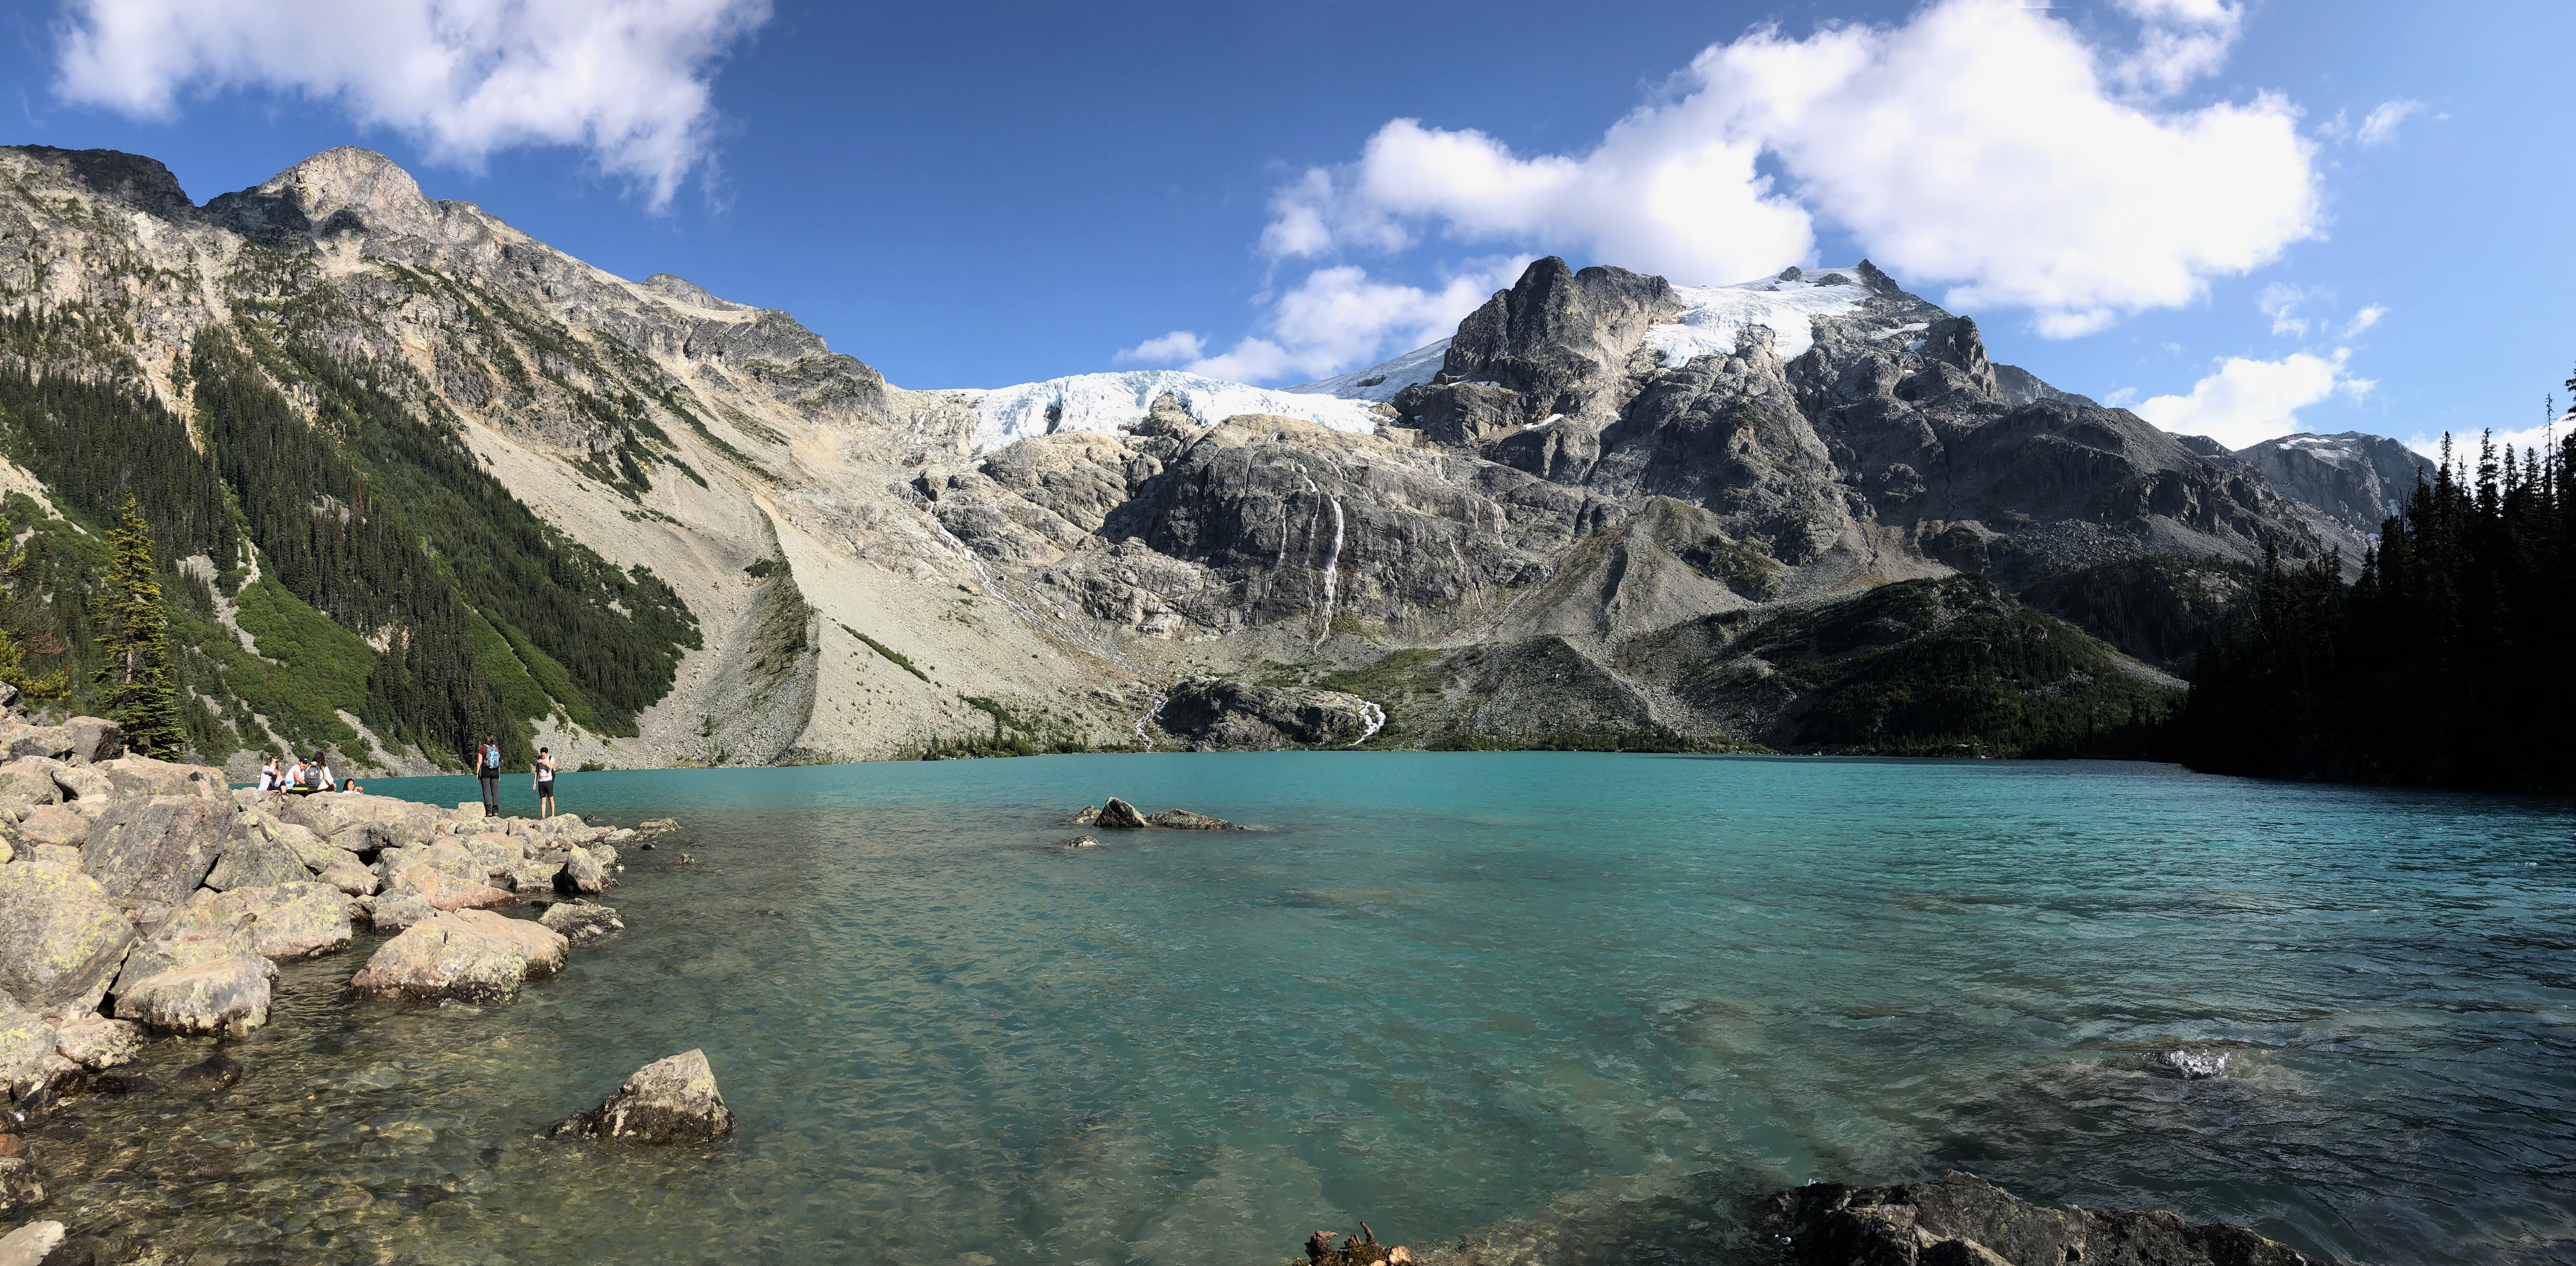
1332	569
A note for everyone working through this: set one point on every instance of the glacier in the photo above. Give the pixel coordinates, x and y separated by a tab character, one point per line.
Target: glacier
1105	402
1713	315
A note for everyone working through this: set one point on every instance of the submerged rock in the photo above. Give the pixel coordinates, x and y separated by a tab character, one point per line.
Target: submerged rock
216	1072
668	1101
2188	1064
34	1244
1079	841
467	955
581	921
1118	815
1963	1220
1184	820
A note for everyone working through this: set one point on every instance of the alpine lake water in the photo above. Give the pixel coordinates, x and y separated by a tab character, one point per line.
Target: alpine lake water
1578	1006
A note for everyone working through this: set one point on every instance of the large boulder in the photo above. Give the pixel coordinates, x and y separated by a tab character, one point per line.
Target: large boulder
157	849
395	911
468	955
82	783
28	782
61	937
253	858
301	919
349	877
443	889
667	1101
129	776
35	1244
95	1042
56	824
1118	815
227	995
584	871
20	740
331	814
1963	1220
95	739
26	1045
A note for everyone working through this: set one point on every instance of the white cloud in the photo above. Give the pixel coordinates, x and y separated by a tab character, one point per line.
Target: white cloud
1171	349
1339	318
2279	301
2364	319
626	79
1981	143
2248	401
2380	126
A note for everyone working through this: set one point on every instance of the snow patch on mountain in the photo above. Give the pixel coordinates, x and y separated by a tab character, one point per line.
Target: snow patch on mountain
1105	402
1789	305
1382	380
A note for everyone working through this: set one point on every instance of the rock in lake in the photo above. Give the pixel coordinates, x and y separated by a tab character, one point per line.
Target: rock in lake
97	1043
667	1101
1079	841
34	1244
581	921
1118	815
155	850
25	1042
584	871
1963	1220
226	995
1184	820
468	955
216	1072
61	937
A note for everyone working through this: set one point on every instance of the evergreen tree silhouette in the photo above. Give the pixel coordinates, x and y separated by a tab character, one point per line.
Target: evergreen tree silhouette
134	683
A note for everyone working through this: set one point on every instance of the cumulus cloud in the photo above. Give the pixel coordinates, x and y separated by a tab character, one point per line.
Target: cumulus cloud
2248	401
628	80
1171	349
2369	316
2380	126
2280	301
1340	317
1982	143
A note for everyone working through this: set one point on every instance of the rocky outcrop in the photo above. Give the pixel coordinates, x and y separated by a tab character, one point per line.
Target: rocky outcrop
1118	815
301	919
1962	1220
1235	715
97	1043
2357	481
1184	820
62	938
466	955
668	1101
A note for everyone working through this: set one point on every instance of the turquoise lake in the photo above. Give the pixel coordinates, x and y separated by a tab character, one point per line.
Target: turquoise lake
1583	1004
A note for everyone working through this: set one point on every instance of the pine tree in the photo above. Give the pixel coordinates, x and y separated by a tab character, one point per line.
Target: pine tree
135	683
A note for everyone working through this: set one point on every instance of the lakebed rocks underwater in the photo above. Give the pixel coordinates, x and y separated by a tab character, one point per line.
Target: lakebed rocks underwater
674	1099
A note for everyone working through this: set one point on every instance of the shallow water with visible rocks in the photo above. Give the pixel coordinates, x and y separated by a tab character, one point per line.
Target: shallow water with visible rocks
1576	1006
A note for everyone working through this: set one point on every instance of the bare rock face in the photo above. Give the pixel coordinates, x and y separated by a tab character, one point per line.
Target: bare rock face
467	955
1962	1220
2354	479
132	776
1236	715
155	849
1118	815
61	937
95	738
668	1101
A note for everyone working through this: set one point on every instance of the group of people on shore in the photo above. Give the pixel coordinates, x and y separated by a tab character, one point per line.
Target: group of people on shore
302	777
487	771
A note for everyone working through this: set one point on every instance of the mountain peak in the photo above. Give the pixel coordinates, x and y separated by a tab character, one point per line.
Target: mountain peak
341	189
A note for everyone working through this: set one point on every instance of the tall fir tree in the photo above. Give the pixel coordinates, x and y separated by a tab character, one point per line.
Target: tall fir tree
135	684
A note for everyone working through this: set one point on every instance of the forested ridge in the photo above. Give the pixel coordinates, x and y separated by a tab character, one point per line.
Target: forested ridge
2444	661
349	532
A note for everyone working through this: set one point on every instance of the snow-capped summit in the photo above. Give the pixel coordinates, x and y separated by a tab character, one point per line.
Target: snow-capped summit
1105	402
1788	303
1382	380
2356	479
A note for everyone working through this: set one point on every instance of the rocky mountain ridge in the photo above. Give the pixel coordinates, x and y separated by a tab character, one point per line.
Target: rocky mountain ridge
1575	526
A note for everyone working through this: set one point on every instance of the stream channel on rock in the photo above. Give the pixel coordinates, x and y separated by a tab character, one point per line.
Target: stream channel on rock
1447	993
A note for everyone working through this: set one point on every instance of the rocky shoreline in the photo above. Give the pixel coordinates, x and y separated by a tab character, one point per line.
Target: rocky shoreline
142	898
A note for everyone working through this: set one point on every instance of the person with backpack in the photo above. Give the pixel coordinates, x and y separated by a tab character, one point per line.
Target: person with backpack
487	769
545	784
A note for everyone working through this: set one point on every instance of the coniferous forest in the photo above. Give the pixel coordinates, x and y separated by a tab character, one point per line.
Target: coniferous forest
2442	662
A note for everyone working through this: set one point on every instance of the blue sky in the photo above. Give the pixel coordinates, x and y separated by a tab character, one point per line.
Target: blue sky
2181	205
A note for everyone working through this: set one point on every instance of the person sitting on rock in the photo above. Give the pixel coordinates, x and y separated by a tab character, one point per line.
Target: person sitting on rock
351	786
320	771
294	777
268	779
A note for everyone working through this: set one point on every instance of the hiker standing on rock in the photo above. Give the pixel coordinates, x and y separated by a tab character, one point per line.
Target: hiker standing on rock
545	784
487	769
